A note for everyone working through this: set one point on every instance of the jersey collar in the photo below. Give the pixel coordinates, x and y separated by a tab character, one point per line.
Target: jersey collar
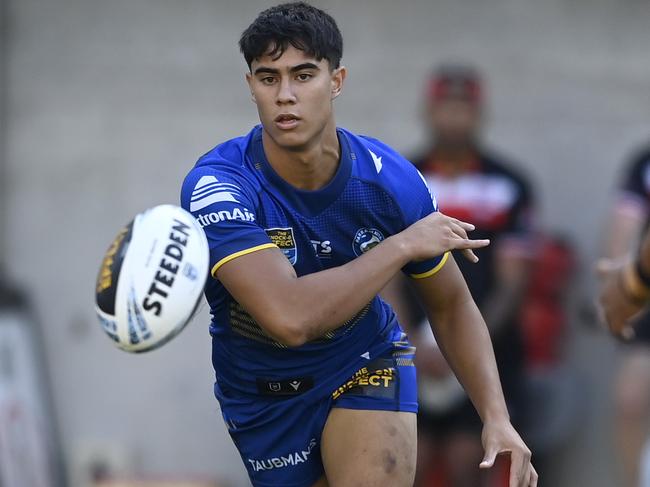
308	203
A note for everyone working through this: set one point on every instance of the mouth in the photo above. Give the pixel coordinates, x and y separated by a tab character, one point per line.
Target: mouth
286	121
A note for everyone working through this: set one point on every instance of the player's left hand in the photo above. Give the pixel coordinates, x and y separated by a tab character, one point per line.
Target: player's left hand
615	307
501	437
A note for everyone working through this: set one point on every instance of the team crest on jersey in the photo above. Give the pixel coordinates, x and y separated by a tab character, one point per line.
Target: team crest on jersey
365	239
284	239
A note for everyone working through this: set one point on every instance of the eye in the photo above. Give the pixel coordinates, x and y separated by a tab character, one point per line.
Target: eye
304	76
267	80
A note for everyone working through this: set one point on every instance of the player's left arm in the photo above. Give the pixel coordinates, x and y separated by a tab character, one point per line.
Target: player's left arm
464	339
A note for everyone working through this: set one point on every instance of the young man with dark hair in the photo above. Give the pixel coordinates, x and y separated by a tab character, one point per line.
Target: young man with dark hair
306	223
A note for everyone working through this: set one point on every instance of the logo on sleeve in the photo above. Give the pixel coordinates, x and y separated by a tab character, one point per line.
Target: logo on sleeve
284	239
365	239
433	198
377	160
209	190
223	215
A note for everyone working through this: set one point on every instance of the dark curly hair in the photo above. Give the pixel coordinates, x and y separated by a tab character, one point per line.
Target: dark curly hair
303	26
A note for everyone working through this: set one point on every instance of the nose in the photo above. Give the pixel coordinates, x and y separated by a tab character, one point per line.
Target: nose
285	92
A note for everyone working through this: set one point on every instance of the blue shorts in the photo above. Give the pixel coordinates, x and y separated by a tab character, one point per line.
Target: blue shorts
279	438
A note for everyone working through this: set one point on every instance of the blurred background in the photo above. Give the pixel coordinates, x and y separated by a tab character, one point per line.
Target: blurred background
105	106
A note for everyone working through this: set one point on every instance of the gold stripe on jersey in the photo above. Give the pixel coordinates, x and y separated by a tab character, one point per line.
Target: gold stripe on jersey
230	257
348	325
434	270
405	351
404	357
404	362
242	323
403	341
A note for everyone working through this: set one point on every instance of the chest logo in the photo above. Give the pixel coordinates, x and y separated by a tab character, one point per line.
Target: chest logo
365	239
284	239
322	248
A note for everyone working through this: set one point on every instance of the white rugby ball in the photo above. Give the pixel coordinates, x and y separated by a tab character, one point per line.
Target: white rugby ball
152	278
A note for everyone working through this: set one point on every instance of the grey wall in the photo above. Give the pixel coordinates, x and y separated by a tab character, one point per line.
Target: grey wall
110	103
3	116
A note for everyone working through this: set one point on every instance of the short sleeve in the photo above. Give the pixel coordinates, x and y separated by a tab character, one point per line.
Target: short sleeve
223	203
421	203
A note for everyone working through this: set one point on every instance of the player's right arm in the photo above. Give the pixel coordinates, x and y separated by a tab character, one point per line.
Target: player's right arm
294	310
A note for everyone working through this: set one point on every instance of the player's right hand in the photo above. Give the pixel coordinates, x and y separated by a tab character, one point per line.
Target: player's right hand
438	233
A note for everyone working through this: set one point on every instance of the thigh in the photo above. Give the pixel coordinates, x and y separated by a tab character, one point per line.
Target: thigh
370	436
279	441
369	448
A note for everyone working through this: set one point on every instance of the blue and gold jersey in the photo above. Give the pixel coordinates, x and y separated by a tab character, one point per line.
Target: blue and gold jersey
244	206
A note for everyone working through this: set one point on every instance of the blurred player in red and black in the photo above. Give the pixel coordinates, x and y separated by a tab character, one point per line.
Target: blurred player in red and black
472	184
630	216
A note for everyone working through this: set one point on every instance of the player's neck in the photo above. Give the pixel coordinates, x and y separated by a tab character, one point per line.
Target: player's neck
309	167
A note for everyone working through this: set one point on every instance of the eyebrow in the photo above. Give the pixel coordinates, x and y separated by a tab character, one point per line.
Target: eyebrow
293	69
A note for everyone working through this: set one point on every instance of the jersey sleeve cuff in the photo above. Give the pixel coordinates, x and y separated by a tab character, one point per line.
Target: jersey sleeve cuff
230	257
433	271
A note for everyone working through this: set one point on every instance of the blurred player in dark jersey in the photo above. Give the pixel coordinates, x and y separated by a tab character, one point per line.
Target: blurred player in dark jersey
307	222
476	185
631	215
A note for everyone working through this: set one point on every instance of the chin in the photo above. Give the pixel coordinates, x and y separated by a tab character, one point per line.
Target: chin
291	140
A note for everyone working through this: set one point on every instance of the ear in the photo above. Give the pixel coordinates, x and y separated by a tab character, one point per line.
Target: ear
249	80
338	78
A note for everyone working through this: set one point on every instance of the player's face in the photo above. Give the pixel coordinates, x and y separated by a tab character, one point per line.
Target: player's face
294	95
455	121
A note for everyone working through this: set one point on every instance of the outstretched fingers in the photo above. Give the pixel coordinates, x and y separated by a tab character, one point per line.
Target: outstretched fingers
466	245
463	242
468	227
